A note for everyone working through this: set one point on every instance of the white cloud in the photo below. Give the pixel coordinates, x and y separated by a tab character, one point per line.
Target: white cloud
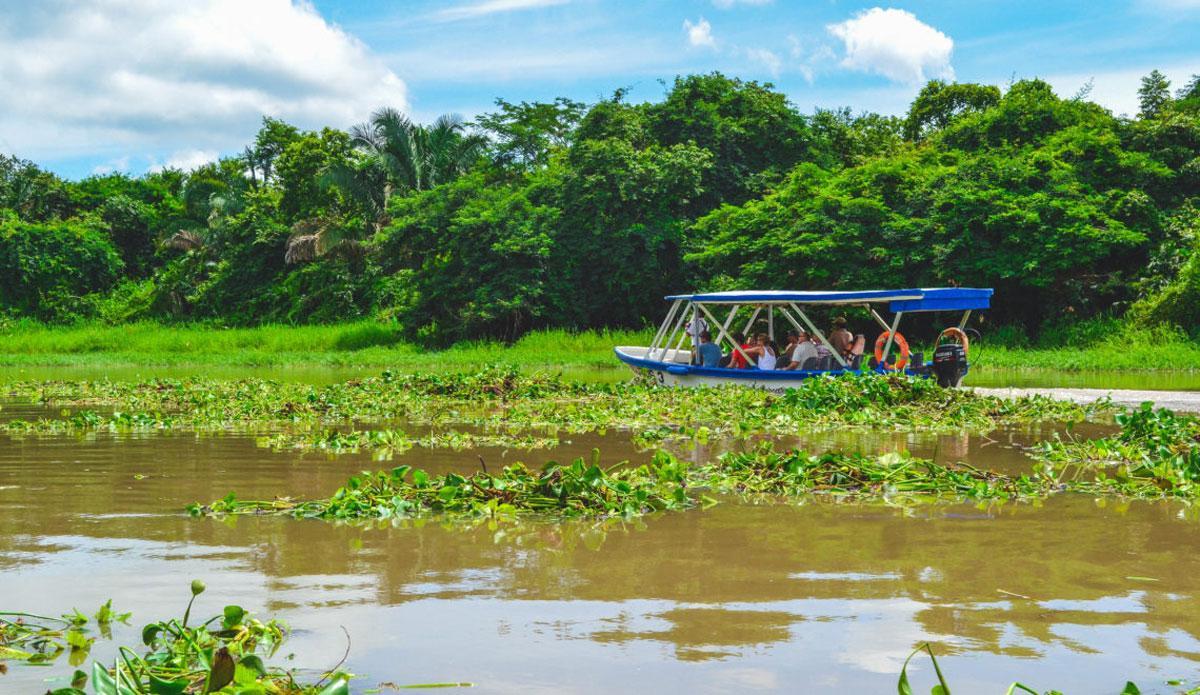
186	160
490	7
700	33
1172	5
895	44
1116	90
726	4
150	76
768	59
118	164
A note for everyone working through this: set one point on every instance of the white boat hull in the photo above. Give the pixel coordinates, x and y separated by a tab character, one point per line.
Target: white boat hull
673	368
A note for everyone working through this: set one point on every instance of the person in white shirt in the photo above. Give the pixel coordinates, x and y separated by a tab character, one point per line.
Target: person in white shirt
761	352
804	349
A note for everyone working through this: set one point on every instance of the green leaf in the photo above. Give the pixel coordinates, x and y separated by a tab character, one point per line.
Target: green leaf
159	686
78	679
1131	689
78	641
102	681
15	654
339	686
150	632
254	663
233	616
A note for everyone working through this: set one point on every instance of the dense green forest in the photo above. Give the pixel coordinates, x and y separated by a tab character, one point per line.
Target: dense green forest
573	215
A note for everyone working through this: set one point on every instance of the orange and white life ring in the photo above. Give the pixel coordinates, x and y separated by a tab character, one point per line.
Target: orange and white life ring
957	334
900	342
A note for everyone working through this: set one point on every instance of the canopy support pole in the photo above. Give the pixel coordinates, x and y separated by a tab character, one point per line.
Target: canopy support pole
679	324
724	330
813	328
663	328
750	323
771	323
887	347
792	319
878	319
963	324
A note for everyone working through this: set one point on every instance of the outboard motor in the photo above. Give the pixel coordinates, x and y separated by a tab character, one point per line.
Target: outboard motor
949	364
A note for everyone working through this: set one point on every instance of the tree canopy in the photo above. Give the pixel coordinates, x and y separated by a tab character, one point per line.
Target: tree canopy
560	213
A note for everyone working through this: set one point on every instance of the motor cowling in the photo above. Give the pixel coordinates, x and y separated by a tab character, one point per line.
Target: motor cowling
949	364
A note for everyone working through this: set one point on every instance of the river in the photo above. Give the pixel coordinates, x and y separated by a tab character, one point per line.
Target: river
1072	593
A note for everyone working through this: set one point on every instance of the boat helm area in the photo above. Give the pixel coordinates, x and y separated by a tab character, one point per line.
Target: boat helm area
671	356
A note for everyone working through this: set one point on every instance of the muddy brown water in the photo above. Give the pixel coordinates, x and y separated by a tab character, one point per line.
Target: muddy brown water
806	597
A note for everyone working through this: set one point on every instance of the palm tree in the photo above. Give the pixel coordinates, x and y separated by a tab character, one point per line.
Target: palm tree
397	155
415	157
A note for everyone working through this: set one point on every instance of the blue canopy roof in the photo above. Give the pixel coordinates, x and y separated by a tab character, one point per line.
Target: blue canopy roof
925	299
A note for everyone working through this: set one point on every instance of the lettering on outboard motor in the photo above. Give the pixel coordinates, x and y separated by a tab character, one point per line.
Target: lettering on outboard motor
949	364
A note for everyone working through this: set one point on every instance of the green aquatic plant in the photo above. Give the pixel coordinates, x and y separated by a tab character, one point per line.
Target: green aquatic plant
506	402
225	654
1156	453
392	441
584	489
37	639
764	470
904	686
576	489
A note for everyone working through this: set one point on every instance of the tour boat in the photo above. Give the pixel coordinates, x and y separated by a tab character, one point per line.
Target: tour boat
668	359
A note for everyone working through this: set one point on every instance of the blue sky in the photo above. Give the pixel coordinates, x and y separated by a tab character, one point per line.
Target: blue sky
132	85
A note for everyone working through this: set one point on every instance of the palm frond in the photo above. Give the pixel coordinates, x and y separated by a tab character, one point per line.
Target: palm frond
185	240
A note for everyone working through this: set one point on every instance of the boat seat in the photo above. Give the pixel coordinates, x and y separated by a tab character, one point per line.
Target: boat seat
811	363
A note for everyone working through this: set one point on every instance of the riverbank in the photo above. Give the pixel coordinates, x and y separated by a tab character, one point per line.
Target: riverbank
371	346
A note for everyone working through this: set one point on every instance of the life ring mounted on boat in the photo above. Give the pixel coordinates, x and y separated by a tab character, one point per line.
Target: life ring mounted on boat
957	334
899	342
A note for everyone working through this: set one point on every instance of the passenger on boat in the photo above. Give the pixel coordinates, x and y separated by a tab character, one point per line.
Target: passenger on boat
840	339
785	356
735	359
763	352
854	359
707	353
803	351
824	354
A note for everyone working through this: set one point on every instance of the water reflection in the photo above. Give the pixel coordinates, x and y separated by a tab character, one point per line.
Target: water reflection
817	596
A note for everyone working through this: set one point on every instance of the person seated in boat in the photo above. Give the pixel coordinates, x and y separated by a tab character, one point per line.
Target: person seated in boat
762	352
785	355
825	358
840	339
854	359
737	359
803	350
707	352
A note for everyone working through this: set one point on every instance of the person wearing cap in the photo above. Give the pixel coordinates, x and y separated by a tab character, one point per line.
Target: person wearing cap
840	339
